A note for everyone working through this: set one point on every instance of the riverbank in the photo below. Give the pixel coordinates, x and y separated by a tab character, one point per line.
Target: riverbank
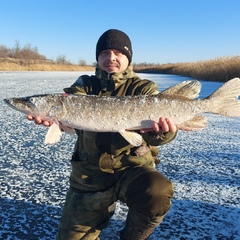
10	66
219	69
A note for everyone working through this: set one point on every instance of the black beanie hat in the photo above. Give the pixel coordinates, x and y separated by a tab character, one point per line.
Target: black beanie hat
114	39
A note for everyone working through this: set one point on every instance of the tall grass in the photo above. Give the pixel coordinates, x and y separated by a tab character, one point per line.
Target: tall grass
10	66
219	69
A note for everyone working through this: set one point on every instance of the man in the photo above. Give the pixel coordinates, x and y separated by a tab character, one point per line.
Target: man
105	167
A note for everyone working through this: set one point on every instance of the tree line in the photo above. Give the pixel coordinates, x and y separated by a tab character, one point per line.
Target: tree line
18	52
29	55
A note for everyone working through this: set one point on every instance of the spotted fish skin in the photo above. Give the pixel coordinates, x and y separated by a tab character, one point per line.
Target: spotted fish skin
121	114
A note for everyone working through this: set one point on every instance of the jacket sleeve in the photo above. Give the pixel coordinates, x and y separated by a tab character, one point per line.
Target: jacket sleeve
145	87
156	139
76	88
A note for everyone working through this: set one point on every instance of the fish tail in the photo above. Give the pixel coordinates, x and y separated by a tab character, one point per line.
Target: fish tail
225	100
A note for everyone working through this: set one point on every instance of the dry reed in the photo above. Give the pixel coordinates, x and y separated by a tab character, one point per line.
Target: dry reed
219	69
7	66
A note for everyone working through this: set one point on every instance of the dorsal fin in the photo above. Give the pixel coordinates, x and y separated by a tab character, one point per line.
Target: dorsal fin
186	89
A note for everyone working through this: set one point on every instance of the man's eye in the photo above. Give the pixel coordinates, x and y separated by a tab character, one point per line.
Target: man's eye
118	53
103	53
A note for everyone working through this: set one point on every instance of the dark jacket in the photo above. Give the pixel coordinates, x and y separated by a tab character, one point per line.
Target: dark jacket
99	158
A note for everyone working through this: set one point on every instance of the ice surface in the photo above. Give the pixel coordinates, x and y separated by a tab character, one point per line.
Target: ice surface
204	167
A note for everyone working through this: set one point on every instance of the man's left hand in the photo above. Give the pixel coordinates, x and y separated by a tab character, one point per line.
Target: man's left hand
163	125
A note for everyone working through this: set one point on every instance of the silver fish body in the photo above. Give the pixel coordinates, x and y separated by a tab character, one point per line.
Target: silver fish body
120	114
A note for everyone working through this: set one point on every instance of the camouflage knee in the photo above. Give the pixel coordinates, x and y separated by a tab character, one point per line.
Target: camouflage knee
85	215
150	193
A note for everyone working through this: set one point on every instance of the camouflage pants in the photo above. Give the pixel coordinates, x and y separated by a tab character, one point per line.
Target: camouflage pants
146	192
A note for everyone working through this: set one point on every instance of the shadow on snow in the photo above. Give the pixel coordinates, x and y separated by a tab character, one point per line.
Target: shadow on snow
186	220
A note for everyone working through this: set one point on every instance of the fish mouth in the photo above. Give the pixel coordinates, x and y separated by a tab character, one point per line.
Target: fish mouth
23	104
9	103
6	101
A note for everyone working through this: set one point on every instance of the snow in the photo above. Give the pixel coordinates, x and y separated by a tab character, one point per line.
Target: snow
204	167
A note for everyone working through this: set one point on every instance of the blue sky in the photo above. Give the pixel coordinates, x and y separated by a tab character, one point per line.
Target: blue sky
161	31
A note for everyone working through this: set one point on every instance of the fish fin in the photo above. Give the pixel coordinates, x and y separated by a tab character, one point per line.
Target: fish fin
194	124
224	101
133	138
186	89
67	129
54	134
134	128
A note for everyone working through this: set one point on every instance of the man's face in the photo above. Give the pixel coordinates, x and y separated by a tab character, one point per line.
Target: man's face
112	60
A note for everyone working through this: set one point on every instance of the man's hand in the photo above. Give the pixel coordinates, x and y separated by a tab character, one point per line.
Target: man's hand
164	125
39	120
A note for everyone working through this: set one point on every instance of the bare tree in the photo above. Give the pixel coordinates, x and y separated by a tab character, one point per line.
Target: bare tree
3	51
17	50
61	59
82	62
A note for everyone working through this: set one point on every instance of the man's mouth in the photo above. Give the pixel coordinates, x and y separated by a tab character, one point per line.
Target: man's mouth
110	66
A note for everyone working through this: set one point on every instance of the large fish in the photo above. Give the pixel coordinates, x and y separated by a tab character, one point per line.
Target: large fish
128	113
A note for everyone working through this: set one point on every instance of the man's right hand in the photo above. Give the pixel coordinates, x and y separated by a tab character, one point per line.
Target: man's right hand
39	120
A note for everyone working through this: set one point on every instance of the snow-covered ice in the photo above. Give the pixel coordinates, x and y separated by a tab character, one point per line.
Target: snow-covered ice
204	167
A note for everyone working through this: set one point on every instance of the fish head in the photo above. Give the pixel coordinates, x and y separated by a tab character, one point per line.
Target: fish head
23	105
46	106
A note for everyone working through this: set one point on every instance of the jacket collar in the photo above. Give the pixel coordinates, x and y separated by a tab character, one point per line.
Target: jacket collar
115	79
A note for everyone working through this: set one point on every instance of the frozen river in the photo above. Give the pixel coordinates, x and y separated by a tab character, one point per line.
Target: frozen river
204	166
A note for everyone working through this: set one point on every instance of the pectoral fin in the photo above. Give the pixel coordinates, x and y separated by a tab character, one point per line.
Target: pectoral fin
133	138
194	124
54	134
67	129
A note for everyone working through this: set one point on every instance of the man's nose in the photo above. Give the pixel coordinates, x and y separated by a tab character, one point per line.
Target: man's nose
111	56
